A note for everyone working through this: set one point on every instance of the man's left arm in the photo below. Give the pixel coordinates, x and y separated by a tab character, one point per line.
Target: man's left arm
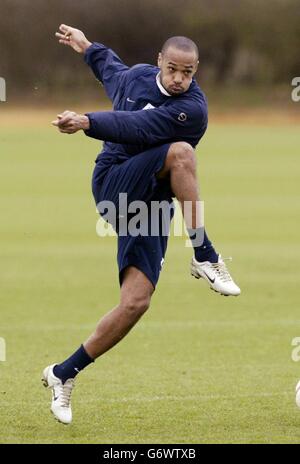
107	67
104	62
181	121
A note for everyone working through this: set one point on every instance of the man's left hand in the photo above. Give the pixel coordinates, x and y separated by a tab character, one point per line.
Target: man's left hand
70	122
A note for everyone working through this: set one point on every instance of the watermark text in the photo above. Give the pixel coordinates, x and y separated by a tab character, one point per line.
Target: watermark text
296	350
2	89
2	350
296	90
151	219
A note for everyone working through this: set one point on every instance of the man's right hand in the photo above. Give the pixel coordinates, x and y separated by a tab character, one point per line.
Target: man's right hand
73	37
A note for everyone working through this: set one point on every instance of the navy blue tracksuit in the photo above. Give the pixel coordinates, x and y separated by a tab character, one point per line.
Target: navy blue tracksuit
137	135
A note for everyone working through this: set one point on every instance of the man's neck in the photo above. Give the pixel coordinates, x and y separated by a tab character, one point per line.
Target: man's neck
160	86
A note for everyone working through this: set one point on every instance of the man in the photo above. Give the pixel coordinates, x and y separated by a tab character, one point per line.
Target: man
159	116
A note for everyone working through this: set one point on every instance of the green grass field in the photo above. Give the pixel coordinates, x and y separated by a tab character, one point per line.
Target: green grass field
198	368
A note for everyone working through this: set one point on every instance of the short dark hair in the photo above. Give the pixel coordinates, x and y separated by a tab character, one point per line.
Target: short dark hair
182	43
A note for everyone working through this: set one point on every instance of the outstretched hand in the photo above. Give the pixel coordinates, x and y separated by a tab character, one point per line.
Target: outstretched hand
70	122
72	37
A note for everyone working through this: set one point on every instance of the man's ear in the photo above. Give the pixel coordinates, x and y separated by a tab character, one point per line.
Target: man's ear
159	59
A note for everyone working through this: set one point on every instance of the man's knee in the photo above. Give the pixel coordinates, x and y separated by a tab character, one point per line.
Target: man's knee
136	305
181	155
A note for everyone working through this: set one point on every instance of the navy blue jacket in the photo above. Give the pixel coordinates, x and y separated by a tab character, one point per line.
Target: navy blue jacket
143	116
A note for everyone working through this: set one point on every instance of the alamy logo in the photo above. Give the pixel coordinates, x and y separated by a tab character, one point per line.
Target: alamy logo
296	350
2	90
296	90
2	350
151	219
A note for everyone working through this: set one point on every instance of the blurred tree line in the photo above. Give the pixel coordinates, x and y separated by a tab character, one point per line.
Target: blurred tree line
247	42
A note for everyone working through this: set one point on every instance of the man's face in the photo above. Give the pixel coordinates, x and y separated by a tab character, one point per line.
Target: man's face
177	69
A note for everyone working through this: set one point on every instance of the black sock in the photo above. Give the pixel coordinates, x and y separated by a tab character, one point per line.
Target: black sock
205	251
73	365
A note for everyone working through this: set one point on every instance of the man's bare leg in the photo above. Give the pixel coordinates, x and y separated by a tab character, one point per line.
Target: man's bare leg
180	167
136	292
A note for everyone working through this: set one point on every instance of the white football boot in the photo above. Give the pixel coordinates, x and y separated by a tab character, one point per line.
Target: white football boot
216	275
61	395
298	394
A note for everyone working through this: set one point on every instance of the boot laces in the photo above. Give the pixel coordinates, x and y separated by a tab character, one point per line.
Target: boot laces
221	270
65	393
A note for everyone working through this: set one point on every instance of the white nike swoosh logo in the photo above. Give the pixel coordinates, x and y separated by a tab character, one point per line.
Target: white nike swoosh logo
130	101
76	369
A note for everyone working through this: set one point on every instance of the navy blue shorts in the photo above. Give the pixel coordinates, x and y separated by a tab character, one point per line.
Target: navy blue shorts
137	178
